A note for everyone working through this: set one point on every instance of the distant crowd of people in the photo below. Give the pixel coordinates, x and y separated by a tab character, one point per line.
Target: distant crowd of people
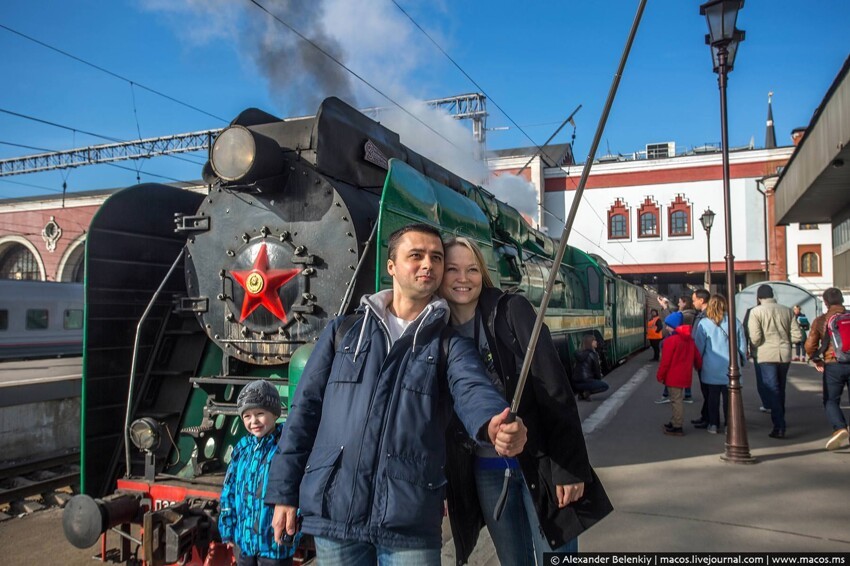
693	336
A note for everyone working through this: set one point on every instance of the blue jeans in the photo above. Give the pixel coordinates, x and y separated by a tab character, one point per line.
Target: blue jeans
835	377
334	552
762	391
517	535
774	377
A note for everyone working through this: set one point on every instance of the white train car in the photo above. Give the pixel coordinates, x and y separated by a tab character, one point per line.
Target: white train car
40	319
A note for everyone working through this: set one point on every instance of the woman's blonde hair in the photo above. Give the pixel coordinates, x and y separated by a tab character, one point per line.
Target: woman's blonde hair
476	253
716	308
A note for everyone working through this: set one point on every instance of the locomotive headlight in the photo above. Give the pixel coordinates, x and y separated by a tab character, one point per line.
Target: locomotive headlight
240	154
145	434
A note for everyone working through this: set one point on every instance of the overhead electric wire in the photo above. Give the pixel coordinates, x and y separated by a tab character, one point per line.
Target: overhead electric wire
473	81
511	120
113	74
344	66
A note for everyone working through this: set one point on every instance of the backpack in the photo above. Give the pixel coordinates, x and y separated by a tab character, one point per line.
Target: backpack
837	328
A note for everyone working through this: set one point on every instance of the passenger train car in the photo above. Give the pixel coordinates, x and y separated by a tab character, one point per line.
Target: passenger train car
191	296
40	319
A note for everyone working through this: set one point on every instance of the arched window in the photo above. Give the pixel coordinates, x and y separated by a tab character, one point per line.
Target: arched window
809	260
618	221
18	263
679	223
648	219
679	217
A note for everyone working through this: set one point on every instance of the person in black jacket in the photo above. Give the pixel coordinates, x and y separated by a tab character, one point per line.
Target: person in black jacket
587	375
553	493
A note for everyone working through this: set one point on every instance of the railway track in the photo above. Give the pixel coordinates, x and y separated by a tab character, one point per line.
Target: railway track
48	478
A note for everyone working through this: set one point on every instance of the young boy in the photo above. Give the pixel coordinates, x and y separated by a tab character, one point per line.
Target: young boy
679	357
245	520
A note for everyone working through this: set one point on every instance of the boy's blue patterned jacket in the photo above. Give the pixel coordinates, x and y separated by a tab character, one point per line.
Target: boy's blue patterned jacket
245	519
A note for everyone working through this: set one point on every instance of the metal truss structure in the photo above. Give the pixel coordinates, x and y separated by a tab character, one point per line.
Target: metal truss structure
462	107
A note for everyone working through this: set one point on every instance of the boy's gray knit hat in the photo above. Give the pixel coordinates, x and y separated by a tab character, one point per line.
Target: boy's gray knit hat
259	395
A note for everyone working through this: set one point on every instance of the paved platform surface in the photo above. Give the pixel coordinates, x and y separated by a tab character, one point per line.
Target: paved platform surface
675	494
670	493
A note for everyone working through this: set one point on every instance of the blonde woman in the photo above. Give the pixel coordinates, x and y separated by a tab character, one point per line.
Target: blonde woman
712	339
552	488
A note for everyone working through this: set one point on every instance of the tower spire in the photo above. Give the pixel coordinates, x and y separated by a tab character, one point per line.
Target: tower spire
770	135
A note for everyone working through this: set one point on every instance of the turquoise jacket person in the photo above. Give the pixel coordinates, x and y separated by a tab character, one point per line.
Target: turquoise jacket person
713	343
245	519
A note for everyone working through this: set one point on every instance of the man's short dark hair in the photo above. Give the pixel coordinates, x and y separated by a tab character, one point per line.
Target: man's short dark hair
395	237
703	294
764	292
833	296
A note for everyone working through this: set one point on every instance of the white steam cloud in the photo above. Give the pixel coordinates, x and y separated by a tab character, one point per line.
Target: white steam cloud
517	192
373	39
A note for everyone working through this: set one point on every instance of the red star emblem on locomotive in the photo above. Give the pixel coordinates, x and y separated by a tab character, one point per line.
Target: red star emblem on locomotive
261	286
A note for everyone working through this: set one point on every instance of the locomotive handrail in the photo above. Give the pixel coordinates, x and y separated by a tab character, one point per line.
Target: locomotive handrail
136	359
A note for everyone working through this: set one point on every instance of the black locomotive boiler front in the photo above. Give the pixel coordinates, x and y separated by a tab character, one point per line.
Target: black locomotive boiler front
274	259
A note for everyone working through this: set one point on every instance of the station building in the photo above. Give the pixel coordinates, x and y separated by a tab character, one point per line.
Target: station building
642	215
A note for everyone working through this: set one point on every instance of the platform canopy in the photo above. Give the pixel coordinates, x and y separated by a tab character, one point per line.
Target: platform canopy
813	186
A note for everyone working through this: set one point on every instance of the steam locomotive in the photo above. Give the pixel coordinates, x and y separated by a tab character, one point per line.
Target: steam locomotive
191	295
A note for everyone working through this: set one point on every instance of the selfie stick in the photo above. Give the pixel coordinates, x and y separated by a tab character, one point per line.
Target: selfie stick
562	247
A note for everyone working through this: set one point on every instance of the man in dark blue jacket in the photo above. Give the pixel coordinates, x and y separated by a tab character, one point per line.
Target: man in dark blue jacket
363	450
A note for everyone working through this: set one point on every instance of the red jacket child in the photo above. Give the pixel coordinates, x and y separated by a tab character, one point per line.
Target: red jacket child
679	354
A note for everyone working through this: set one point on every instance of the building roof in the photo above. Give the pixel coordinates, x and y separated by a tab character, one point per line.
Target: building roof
554	155
812	188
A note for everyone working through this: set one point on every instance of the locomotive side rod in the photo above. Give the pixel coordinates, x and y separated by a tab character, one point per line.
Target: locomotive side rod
562	246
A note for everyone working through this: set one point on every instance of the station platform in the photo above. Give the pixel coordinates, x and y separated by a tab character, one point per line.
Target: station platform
675	494
671	494
39	408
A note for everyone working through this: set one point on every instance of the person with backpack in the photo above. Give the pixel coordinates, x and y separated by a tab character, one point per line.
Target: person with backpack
363	450
552	492
828	346
772	329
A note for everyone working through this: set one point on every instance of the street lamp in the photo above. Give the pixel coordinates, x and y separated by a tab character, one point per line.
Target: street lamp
707	221
724	38
766	243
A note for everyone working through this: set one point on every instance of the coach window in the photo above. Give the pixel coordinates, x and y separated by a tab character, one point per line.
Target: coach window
4	319
73	319
36	319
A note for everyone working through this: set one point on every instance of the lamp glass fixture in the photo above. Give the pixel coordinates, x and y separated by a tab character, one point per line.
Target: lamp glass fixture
707	219
721	16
